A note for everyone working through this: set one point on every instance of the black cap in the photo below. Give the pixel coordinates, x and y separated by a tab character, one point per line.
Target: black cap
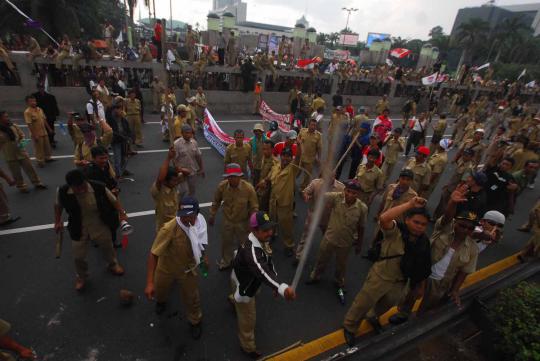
188	206
467	216
353	184
407	173
261	220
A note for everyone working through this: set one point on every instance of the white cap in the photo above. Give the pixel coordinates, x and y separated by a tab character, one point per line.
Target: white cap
480	130
445	144
495	216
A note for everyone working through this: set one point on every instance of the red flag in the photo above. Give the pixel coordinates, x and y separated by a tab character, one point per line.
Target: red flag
400	52
125	241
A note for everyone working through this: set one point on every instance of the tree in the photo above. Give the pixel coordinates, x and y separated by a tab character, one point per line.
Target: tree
469	36
436	32
414	45
71	17
322	38
333	38
509	36
398	42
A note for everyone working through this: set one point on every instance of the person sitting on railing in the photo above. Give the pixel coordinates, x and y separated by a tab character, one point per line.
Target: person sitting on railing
63	50
145	55
34	49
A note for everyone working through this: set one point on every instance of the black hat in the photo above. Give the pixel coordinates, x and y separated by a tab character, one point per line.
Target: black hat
407	173
188	206
353	184
467	216
261	220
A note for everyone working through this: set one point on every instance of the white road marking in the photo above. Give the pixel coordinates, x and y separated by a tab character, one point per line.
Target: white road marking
51	225
139	152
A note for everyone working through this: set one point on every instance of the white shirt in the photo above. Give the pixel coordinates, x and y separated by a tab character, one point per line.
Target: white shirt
100	109
419	126
438	270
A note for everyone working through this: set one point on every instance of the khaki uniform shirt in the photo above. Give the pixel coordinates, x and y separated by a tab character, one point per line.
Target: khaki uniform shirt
200	100
267	164
440	127
186	89
35	119
422	174
10	148
464	258
438	162
355	124
311	145
173	248
381	106
186	154
390	202
238	203
478	148
177	126
344	220
145	53
391	245
283	182
393	148
165	203
133	107
314	191
463	169
521	157
318	103
469	130
239	155
370	180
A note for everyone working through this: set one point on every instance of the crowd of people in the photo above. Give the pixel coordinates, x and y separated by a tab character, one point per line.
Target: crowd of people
496	160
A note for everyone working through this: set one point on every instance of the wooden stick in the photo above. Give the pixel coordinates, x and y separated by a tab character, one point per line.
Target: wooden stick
347	151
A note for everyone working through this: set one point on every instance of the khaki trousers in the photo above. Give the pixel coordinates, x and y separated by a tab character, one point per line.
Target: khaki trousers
80	249
377	294
189	292
307	224
365	197
60	58
434	294
256	103
232	234
110	47
326	251
135	125
25	164
156	101
283	215
387	169
42	149
4	206
246	315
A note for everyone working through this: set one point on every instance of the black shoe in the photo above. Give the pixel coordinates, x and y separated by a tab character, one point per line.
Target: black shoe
398	318
289	252
10	220
126	173
374	322
350	338
50	160
253	354
196	330
41	186
160	307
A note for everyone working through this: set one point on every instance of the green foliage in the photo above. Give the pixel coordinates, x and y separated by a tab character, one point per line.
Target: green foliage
516	316
503	71
72	17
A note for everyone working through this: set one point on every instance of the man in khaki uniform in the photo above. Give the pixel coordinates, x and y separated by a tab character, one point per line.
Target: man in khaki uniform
437	162
239	153
175	256
256	144
311	140
133	115
191	40
239	201
453	254
157	91
474	144
395	144
385	282
200	103
310	194
345	229
370	177
16	157
5	213
318	103
168	106
94	213
282	182
182	117
164	190
421	170
34	49
186	89
231	50
38	127
438	133
397	193
267	163
382	104
7	343
145	55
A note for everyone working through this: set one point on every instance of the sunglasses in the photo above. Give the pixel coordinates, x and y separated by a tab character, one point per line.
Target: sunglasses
494	224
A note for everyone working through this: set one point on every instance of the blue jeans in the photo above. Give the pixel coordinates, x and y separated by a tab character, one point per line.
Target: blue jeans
119	158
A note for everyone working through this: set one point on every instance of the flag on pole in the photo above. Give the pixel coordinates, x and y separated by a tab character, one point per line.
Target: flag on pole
486	65
120	38
434	78
531	84
522	74
389	62
31	22
400	53
46	83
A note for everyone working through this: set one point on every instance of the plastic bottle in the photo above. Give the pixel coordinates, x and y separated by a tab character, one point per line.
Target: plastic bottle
203	267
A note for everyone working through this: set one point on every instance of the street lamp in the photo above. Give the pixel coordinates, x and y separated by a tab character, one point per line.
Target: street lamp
349	11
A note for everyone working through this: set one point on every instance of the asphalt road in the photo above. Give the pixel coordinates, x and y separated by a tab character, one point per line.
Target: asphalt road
38	297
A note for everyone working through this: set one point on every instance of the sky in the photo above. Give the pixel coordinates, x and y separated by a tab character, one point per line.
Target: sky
409	19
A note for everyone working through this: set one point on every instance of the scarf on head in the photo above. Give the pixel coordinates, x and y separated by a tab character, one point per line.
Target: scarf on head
9	132
197	234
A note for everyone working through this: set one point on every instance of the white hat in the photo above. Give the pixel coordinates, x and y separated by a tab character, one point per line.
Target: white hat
445	144
495	216
292	134
480	130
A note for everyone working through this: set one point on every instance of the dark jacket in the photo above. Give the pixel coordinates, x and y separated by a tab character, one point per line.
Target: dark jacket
69	202
252	266
48	103
120	127
101	176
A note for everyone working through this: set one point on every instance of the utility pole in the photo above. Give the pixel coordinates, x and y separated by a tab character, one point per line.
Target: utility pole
349	11
170	14
154	7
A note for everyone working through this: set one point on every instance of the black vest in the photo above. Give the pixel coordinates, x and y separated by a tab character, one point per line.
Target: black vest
107	212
